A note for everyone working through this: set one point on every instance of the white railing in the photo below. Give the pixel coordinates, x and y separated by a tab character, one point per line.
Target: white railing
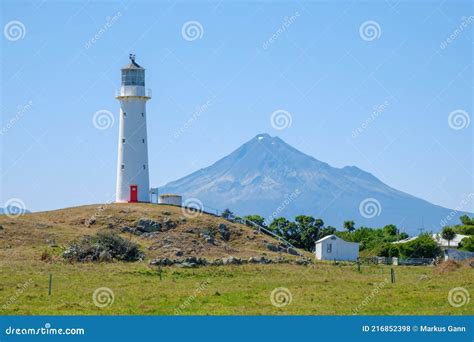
133	91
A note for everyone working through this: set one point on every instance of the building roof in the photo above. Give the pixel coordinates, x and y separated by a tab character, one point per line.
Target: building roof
170	195
333	237
437	237
327	237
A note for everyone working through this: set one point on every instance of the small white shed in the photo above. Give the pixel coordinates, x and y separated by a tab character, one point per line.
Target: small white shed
332	247
170	199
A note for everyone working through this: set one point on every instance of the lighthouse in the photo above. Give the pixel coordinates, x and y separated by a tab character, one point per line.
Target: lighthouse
132	166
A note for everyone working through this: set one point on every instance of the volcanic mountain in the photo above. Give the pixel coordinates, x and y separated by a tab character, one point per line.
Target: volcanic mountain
266	176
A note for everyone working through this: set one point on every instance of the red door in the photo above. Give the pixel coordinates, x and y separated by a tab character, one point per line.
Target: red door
133	193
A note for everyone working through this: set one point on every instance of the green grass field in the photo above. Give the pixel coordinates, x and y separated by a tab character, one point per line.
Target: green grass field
318	289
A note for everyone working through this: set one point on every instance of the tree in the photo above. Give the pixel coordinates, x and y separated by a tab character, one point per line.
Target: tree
256	219
403	235
227	214
286	229
448	233
325	231
464	230
467	244
309	229
349	225
390	229
466	220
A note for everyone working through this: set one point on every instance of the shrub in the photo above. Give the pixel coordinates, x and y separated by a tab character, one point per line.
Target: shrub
467	244
388	250
422	247
103	247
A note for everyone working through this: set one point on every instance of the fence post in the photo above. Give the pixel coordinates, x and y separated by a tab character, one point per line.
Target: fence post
392	275
50	284
358	265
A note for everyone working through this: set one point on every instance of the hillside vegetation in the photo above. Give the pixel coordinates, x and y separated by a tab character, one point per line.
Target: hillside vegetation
180	234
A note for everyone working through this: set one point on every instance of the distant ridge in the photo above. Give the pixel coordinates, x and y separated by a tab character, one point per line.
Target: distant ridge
266	176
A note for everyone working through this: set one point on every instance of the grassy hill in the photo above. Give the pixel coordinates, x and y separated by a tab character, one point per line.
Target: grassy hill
28	236
31	247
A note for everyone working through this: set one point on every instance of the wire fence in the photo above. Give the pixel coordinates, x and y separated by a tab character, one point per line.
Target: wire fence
242	220
377	260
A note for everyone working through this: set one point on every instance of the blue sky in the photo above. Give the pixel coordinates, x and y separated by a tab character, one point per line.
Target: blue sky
318	67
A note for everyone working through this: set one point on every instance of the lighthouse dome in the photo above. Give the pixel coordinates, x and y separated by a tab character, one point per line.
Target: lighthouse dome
133	74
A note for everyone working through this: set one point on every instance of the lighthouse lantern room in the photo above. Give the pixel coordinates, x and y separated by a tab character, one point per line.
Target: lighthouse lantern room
132	165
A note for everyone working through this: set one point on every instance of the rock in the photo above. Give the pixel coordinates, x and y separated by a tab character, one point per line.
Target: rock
303	261
209	239
209	236
168	224
282	260
1	227
130	230
191	260
259	260
272	247
224	231
292	251
231	261
253	260
217	262
178	253
202	261
187	264
148	226
162	262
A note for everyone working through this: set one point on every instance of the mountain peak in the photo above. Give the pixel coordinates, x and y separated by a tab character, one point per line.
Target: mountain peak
263	136
262	175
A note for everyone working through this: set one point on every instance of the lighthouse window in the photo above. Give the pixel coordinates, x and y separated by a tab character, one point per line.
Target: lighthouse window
144	167
143	115
123	166
124	114
133	77
123	141
143	140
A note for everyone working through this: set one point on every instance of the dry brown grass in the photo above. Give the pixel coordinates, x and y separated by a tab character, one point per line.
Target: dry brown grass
30	236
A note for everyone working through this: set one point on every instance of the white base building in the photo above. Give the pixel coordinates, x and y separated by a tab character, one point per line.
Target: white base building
170	199
332	247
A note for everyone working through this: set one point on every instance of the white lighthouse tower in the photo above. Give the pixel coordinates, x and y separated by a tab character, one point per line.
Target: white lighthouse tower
132	165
